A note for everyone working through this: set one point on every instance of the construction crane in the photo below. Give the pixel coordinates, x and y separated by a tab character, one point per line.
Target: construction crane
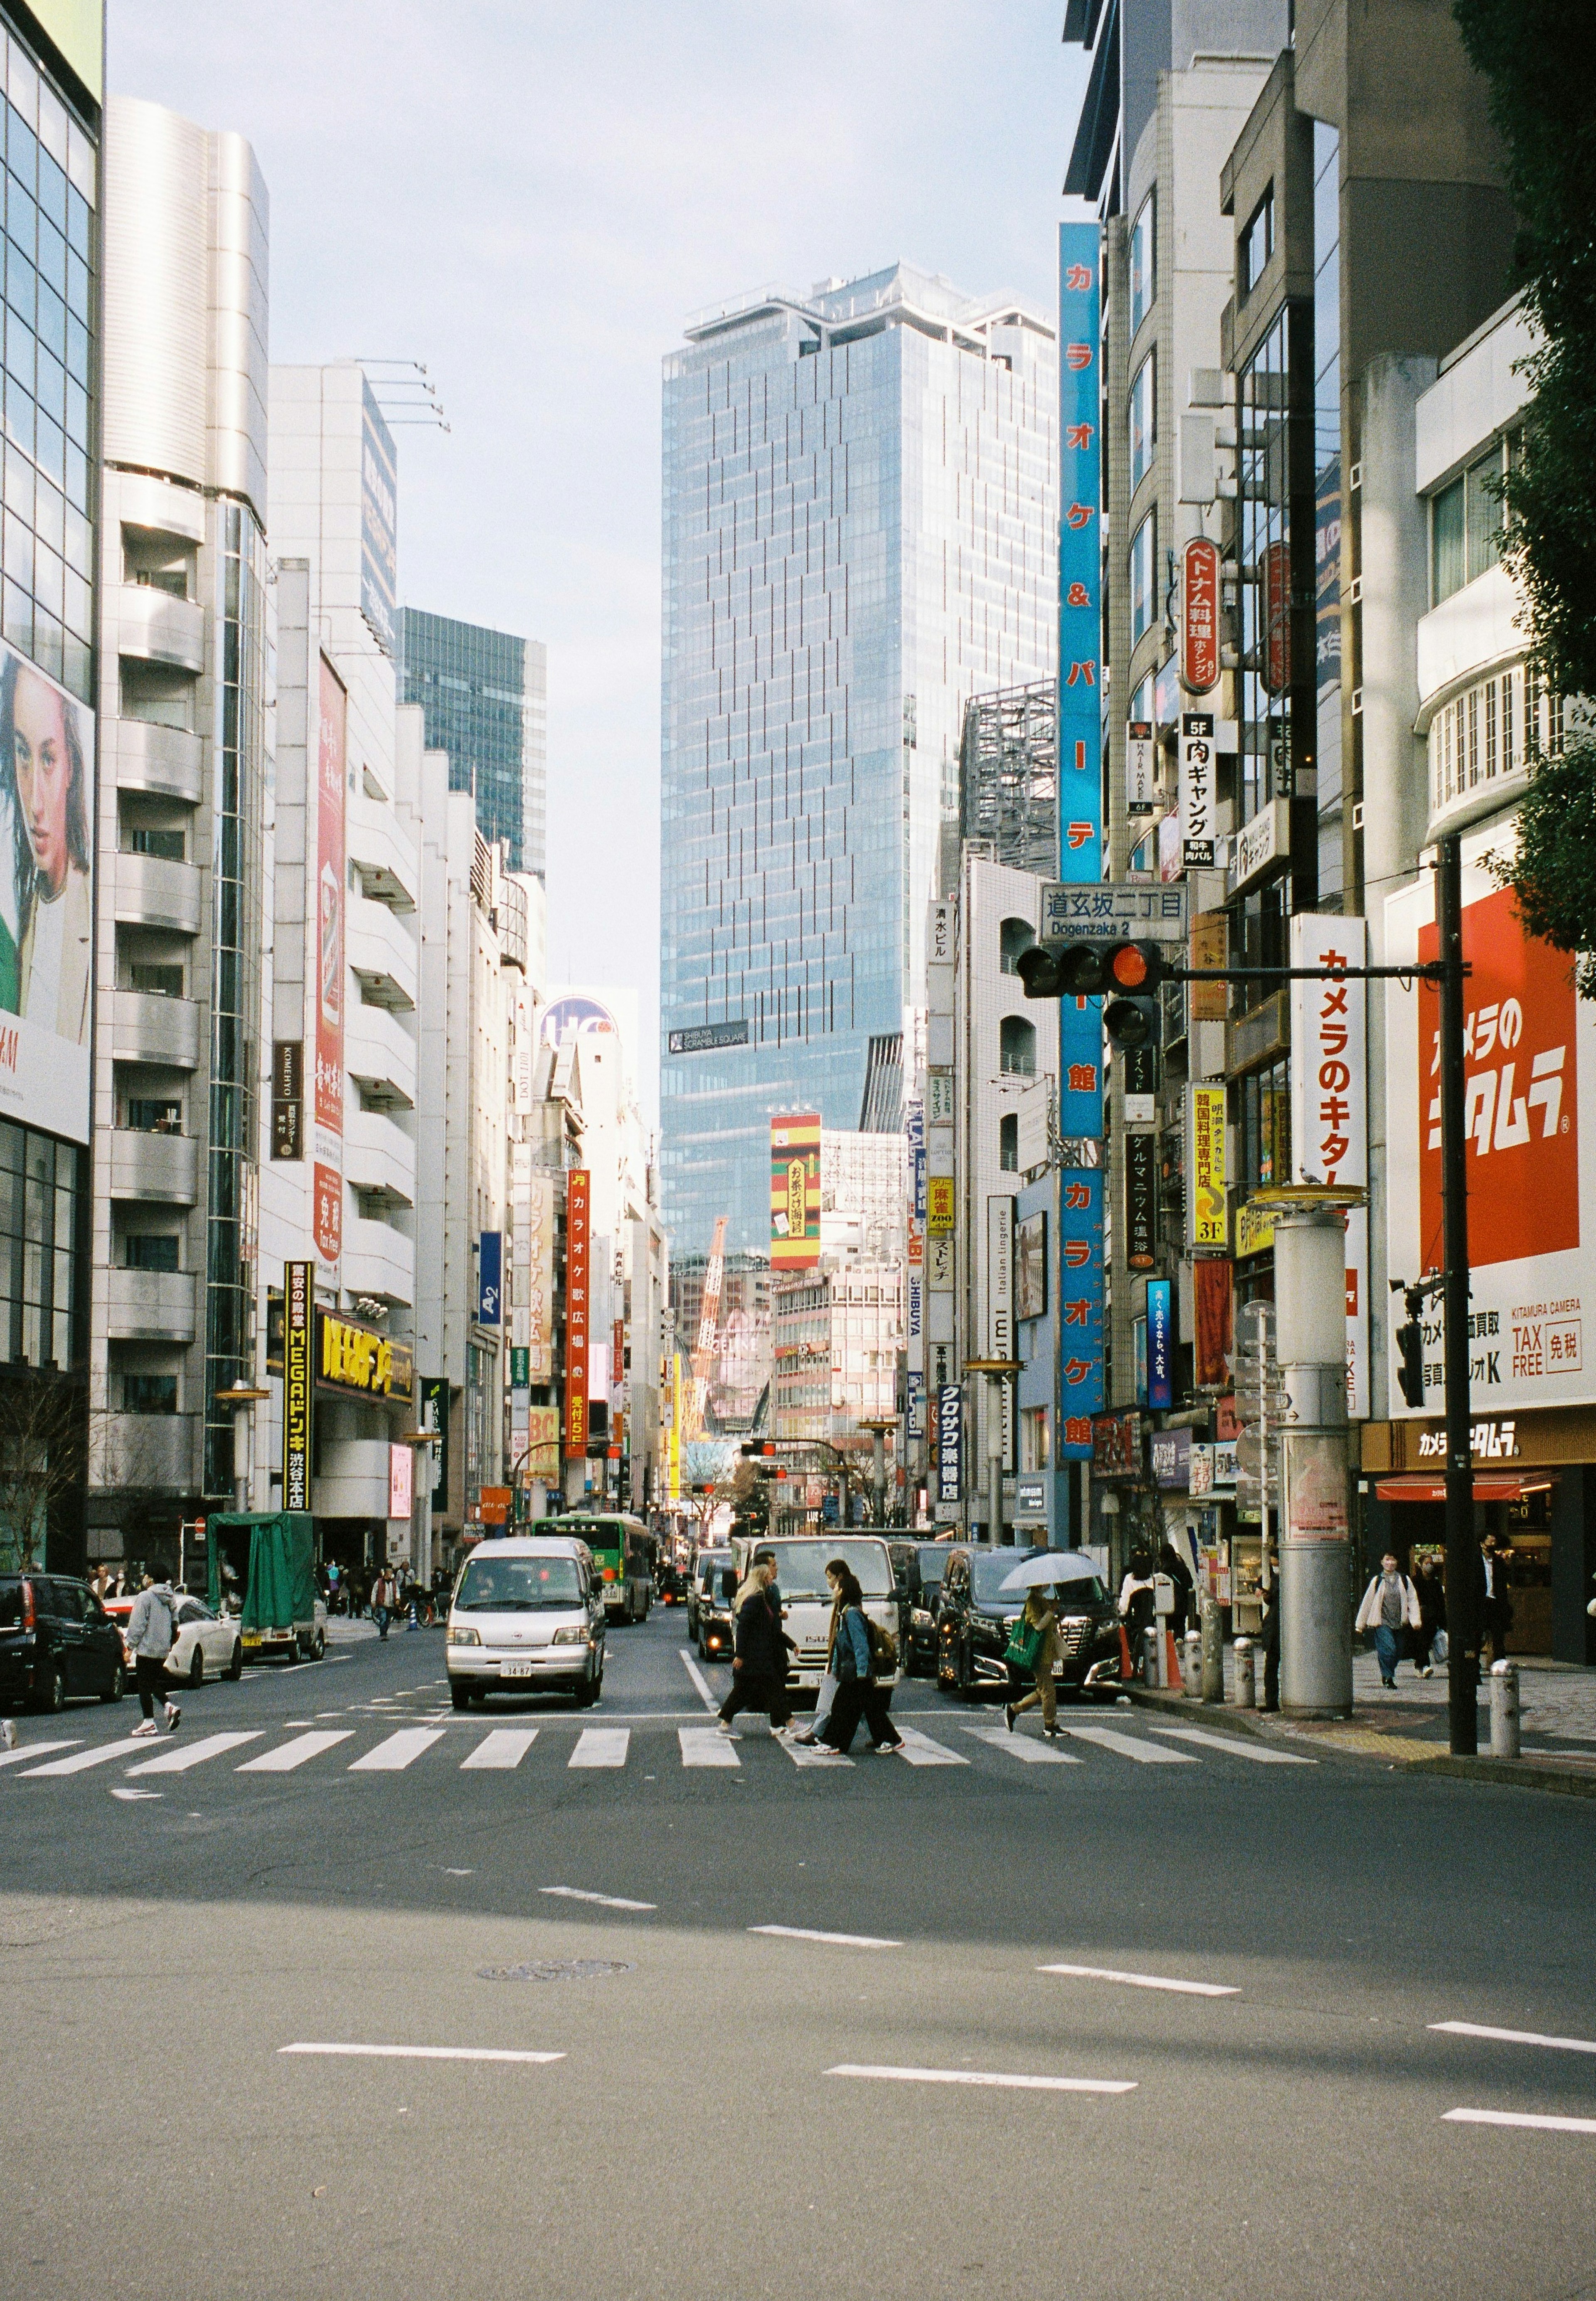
709	1319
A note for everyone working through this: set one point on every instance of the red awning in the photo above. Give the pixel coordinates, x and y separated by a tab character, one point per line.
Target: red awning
1489	1486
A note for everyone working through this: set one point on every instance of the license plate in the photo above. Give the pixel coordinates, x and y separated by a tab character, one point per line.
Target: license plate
515	1669
249	1641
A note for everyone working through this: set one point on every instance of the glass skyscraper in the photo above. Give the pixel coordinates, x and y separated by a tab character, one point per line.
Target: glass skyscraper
860	533
484	696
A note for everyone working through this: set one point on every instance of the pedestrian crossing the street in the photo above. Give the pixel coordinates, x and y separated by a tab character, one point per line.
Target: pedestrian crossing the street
524	1750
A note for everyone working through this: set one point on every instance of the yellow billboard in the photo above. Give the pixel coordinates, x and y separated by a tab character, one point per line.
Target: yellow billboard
1206	1224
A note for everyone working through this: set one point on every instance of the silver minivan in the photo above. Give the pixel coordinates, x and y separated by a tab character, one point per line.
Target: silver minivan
527	1617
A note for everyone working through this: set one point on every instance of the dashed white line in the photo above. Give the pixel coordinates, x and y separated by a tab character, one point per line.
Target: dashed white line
1520	2117
1145	1981
841	1941
193	1754
1234	1746
705	1690
1515	2036
1005	2077
420	2052
604	1901
299	1751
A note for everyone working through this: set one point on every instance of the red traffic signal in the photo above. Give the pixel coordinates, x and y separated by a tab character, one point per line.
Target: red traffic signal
1091	970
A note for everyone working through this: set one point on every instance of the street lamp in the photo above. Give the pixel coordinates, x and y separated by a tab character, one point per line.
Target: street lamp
240	1397
998	1372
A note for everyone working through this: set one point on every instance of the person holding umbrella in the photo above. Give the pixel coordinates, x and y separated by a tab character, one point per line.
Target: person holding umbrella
1033	1642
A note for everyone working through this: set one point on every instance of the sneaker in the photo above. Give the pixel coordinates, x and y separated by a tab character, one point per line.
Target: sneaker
721	1726
142	1733
1009	1715
174	1715
1426	1671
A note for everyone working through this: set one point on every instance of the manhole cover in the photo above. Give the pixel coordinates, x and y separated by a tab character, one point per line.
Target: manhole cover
557	1968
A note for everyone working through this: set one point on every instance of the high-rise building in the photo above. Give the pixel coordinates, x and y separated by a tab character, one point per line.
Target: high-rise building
182	801
860	532
51	60
485	697
1130	44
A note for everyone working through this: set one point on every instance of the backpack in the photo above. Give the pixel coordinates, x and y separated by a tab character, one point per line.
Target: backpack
883	1649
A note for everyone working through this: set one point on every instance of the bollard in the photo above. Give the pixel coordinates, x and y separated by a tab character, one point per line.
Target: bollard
1245	1696
1504	1709
1192	1662
1213	1652
1149	1656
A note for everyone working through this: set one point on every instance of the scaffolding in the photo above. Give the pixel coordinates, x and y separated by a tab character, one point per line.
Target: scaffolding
1008	776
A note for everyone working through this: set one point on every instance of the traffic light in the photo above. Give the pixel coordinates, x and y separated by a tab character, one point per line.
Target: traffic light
1410	1347
1123	975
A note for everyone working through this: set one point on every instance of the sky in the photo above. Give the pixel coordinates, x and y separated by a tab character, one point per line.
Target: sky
529	199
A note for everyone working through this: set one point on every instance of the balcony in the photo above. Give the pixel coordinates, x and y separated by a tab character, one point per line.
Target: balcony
385	859
144	1452
150	1306
163	1167
379	1158
165	760
378	1260
153	892
147	1028
154	627
385	957
380	1055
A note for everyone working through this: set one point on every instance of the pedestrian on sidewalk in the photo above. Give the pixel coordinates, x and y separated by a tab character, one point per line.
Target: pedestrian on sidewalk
860	1693
759	1657
1173	1565
1390	1605
1136	1597
1432	1615
152	1633
1496	1611
1037	1631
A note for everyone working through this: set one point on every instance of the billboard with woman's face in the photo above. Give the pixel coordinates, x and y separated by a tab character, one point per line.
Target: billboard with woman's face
47	899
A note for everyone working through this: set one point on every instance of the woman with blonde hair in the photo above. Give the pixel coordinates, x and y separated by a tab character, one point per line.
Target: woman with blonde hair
1033	1644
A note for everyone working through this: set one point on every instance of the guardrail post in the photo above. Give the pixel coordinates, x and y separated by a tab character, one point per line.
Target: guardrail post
1504	1709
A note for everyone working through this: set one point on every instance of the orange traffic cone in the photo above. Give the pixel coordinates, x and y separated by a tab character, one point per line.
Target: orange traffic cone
1124	1653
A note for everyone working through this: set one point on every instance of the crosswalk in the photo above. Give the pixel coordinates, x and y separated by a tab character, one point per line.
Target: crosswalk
609	1750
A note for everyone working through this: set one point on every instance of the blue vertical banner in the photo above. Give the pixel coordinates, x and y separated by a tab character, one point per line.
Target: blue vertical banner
1080	1299
490	1264
1079	642
1160	1342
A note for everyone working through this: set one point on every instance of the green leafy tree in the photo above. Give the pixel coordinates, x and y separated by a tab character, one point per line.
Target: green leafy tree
1539	59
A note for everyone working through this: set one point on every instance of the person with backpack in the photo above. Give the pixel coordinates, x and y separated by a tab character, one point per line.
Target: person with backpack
862	1656
151	1634
1033	1646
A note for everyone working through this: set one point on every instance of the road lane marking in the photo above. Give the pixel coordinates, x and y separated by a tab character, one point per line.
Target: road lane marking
820	1754
1145	1753
299	1751
1234	1746
192	1753
604	1901
985	2077
601	1745
34	1749
500	1751
1515	2036
422	2053
1513	2117
705	1690
1145	1981
130	1794
701	1745
841	1941
400	1750
920	1750
1029	1751
100	1754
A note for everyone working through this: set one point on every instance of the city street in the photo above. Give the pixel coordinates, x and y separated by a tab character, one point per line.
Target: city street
1152	2010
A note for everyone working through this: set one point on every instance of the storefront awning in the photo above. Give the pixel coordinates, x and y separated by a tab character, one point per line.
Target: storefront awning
1489	1486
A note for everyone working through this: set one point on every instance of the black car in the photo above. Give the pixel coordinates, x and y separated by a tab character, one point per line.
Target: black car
56	1641
976	1614
924	1577
717	1621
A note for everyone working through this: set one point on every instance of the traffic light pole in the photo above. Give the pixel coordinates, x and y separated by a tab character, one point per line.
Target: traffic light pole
1462	1563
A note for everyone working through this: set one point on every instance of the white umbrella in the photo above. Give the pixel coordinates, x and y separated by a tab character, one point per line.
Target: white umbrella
1053	1566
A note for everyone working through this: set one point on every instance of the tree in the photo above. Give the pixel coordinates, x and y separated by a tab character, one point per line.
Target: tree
42	1470
1539	59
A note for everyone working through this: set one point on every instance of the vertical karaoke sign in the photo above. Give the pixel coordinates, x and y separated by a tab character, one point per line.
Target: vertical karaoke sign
1080	644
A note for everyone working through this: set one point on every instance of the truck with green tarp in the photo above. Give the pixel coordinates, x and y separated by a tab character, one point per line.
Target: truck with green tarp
262	1568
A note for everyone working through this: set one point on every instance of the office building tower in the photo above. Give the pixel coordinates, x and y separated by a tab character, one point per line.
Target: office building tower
485	697
860	517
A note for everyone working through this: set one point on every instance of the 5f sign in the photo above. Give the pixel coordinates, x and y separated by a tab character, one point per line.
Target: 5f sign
1198	791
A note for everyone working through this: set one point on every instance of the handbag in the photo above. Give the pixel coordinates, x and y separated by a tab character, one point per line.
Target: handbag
1024	1643
1439	1648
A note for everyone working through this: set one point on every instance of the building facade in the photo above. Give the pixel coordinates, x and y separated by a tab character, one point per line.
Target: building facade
860	506
485	697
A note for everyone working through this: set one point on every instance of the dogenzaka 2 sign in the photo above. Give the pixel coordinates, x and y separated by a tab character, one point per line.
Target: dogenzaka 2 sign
1530	1063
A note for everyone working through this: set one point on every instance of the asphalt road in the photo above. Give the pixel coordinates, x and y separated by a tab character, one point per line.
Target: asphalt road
750	2112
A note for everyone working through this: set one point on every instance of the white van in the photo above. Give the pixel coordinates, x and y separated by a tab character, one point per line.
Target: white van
527	1617
801	1562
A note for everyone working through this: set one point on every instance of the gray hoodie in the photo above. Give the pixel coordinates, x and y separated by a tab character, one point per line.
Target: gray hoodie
152	1624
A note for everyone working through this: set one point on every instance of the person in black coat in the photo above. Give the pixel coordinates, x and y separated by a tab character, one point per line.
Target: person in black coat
1432	1612
1171	1563
760	1655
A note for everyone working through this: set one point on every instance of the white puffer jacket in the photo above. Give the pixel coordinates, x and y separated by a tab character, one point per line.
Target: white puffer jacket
1368	1613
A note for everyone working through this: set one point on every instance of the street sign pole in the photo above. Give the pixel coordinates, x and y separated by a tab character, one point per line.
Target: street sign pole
1462	1563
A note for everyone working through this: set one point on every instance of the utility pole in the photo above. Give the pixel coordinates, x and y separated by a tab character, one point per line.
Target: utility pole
1462	1566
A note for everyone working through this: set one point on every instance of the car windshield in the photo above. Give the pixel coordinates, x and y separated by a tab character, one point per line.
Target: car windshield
801	1568
518	1586
709	1566
932	1562
992	1568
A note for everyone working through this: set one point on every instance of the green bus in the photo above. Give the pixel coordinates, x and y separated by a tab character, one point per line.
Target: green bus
623	1552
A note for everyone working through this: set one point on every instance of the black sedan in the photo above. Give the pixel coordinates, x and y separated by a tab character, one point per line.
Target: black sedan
924	1577
56	1640
976	1615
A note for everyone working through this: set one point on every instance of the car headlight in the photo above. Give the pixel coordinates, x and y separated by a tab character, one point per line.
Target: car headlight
571	1634
460	1636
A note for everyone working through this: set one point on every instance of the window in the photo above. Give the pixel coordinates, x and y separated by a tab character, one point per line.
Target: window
1258	242
1008	1142
1484	734
150	1251
1144	285
1016	1042
1144	552
1144	419
167	844
148	1115
1014	936
164	982
1466	526
149	1394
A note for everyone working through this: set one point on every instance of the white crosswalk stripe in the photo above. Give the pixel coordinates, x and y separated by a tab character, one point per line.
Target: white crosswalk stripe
1145	1753
701	1745
1234	1746
501	1751
400	1750
601	1745
1024	1746
101	1754
820	1755
179	1759
33	1750
289	1755
920	1750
